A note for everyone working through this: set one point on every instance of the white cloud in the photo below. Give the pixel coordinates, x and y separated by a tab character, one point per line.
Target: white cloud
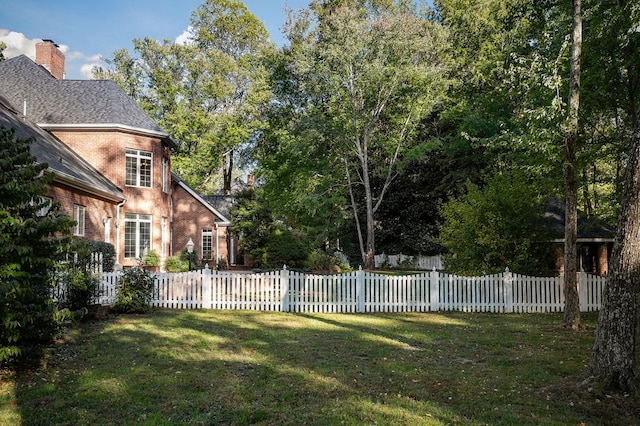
87	68
18	44
186	37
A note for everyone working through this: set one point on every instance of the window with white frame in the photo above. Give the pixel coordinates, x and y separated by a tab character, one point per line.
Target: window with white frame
78	216
207	243
137	235
165	174
138	168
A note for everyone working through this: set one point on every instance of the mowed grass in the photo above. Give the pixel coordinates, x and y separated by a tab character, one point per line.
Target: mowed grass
219	367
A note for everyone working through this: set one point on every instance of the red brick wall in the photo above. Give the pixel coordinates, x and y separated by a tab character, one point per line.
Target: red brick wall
49	56
105	150
96	209
190	217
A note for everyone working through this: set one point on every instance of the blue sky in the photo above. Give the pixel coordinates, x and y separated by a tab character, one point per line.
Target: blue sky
88	29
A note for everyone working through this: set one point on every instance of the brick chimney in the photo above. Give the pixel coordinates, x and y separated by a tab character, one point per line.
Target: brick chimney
49	56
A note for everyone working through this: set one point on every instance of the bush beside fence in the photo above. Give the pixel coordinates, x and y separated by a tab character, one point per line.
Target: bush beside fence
360	291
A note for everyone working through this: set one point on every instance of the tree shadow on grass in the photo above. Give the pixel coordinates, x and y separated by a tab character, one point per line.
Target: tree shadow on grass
212	367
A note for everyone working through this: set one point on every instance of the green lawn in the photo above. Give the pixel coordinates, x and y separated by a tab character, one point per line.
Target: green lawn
215	367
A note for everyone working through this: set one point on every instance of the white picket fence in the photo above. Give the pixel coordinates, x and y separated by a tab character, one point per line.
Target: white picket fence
360	291
423	263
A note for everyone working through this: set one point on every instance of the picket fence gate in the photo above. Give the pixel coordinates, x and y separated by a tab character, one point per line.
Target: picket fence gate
360	291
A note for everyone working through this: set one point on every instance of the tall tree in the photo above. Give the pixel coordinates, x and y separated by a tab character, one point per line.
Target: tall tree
572	299
30	243
370	76
614	358
207	93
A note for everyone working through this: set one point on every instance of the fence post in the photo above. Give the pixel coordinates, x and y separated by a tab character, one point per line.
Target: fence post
207	283
583	290
284	289
434	290
508	290
360	290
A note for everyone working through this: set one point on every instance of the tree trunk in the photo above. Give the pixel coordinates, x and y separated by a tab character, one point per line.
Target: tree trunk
572	299
613	360
369	261
228	174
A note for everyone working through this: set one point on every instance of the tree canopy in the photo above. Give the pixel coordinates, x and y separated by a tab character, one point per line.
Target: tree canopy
207	93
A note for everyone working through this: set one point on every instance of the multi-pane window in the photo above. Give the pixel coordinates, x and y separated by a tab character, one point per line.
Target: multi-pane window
78	216
138	168
137	234
165	174
207	243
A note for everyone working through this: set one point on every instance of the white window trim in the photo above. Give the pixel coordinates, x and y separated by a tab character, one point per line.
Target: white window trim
138	155
139	251
79	215
207	232
165	175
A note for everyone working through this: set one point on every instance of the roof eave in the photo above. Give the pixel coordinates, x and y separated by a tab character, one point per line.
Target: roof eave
194	194
585	240
110	126
64	178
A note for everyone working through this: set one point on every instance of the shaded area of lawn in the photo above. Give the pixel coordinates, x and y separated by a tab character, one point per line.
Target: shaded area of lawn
213	367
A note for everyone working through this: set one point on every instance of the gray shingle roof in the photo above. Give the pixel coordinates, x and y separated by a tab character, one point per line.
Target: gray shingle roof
69	102
222	203
64	162
589	229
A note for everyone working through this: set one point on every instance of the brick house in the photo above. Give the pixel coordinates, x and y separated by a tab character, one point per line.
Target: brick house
105	127
84	194
202	223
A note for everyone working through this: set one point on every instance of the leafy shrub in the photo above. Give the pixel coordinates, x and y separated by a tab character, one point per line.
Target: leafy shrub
185	256
80	289
151	258
318	260
30	245
284	248
497	226
108	253
222	264
175	264
134	291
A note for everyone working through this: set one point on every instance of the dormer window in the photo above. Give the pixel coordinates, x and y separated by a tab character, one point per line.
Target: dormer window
139	168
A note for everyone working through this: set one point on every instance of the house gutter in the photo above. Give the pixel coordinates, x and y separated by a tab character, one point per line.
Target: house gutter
118	233
66	179
110	126
585	240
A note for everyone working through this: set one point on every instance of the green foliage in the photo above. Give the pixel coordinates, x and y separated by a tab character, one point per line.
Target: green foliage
176	264
134	291
107	250
353	89
190	259
30	244
208	93
283	247
222	264
151	258
320	261
497	226
78	276
269	241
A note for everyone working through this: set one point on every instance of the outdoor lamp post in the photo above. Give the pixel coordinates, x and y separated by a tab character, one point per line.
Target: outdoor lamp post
190	245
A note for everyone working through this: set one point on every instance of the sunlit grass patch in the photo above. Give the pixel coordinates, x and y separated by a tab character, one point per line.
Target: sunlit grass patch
217	367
